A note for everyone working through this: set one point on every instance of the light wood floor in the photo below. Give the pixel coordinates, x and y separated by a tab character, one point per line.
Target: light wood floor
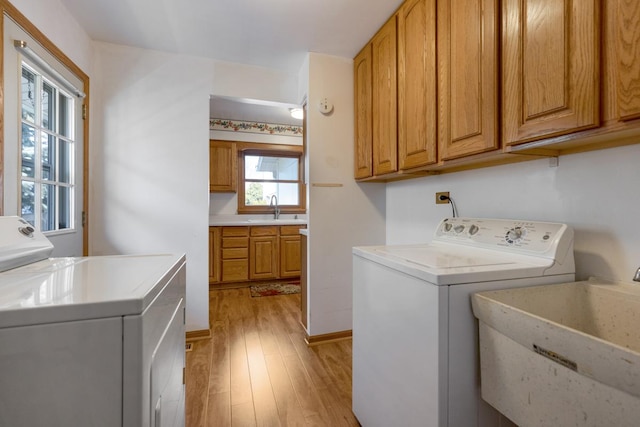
257	370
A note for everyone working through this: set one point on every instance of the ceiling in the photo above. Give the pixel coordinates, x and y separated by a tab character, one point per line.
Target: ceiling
275	34
269	33
251	110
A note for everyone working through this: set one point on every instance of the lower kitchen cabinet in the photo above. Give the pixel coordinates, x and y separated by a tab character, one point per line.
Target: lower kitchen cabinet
214	253
290	251
263	253
241	253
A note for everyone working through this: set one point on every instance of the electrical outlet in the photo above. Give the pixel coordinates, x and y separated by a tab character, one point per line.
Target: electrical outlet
439	200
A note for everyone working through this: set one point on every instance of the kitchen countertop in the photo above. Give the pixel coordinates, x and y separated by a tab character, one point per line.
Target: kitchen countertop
249	220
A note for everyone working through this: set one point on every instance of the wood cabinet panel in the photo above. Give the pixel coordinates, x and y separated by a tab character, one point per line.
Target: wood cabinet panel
417	106
363	143
223	166
235	242
628	60
290	263
551	68
290	230
235	270
214	255
468	71
235	253
263	257
385	113
235	231
266	230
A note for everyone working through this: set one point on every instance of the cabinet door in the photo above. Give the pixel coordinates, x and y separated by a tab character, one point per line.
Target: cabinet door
290	263
551	63
627	39
263	257
385	114
223	166
362	104
417	84
468	77
214	255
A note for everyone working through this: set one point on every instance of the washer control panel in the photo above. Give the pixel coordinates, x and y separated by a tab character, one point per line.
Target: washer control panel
528	236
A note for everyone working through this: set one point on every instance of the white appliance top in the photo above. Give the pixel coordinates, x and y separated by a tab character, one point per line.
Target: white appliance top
69	289
468	250
21	243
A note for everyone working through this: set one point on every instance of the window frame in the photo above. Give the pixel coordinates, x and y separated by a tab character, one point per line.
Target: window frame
63	205
282	151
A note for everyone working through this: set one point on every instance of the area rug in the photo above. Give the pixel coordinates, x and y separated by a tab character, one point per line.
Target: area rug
271	289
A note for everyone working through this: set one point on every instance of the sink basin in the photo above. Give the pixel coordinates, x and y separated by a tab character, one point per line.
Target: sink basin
565	354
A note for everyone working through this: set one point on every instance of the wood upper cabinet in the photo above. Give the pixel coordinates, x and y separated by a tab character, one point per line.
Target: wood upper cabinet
263	253
468	71
363	113
385	101
417	110
551	68
223	166
627	38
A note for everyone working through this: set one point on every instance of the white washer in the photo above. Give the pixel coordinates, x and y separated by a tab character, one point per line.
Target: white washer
94	341
415	357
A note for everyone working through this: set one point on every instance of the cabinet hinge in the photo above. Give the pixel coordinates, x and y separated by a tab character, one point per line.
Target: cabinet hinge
84	111
184	376
84	219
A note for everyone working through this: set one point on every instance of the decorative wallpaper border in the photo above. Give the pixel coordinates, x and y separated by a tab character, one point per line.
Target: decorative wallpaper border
254	127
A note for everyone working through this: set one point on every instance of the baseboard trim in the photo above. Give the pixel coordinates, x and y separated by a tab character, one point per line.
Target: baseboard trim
202	334
326	338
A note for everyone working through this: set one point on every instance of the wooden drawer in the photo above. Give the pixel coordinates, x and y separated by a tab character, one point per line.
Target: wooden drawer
235	270
267	230
235	253
291	230
235	242
235	231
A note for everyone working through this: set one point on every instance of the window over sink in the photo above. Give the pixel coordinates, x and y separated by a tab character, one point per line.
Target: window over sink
268	177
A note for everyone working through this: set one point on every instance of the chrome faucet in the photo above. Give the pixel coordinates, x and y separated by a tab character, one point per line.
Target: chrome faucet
637	276
276	211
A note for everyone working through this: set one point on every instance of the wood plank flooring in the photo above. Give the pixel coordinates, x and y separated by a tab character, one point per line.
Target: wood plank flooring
257	370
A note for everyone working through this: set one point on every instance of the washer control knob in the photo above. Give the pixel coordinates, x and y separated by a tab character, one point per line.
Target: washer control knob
515	234
473	229
458	228
447	226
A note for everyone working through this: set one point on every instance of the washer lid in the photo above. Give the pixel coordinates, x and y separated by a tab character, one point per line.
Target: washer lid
444	258
448	264
70	289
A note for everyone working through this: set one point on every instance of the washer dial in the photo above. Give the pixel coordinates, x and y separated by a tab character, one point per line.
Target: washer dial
515	235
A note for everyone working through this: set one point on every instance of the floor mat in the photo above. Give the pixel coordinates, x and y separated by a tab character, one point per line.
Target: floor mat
280	288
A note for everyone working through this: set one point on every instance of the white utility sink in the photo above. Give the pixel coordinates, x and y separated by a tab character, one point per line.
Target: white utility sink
562	355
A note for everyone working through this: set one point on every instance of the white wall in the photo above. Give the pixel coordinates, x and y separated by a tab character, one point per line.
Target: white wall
150	154
339	217
597	193
54	20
